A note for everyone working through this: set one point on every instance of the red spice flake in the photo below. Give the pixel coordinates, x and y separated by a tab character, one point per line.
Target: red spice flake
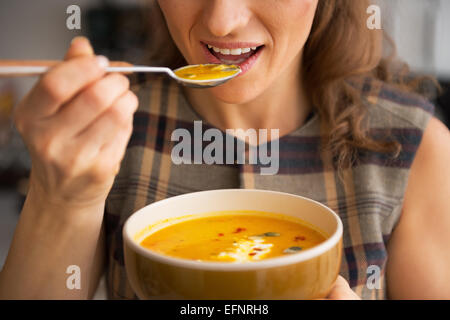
257	249
252	253
216	239
299	238
239	230
220	234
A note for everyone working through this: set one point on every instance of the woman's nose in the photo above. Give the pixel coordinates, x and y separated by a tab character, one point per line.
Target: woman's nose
224	17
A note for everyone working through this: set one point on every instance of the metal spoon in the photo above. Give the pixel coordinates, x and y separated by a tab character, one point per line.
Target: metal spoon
32	68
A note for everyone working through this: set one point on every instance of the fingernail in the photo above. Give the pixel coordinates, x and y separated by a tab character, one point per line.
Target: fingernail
79	38
102	61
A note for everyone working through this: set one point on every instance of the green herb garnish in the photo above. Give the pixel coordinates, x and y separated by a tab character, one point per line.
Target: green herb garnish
292	250
267	234
270	234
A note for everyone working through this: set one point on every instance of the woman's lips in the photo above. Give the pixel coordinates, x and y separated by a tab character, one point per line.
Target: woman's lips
245	61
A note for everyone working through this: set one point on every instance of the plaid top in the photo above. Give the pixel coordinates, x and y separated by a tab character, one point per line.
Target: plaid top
369	201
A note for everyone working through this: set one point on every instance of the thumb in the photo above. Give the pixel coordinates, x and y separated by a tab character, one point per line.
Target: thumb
342	291
80	46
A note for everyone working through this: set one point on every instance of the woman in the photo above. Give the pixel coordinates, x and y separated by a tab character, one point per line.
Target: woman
368	149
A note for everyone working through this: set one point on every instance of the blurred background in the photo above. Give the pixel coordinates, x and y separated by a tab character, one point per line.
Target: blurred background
37	30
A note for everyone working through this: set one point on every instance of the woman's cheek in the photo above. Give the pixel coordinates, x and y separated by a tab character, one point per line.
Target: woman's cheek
300	10
303	6
300	22
179	16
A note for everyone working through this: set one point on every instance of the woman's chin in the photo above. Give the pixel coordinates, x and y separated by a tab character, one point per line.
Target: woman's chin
235	93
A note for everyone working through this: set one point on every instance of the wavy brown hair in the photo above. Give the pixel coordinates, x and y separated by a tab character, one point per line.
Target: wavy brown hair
339	55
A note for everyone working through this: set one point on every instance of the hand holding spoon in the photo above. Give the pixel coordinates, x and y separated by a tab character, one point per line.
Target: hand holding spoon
195	76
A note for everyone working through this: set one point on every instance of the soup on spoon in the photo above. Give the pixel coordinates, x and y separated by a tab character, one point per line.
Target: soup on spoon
207	71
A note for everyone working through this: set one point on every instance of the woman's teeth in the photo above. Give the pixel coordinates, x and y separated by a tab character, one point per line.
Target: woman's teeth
233	52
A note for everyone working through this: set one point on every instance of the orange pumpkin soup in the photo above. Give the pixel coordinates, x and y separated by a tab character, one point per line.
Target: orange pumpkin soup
234	238
207	72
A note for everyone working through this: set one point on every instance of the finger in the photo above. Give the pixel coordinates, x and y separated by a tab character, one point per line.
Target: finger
108	159
340	285
62	82
104	131
83	110
80	46
114	153
341	282
111	155
342	291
